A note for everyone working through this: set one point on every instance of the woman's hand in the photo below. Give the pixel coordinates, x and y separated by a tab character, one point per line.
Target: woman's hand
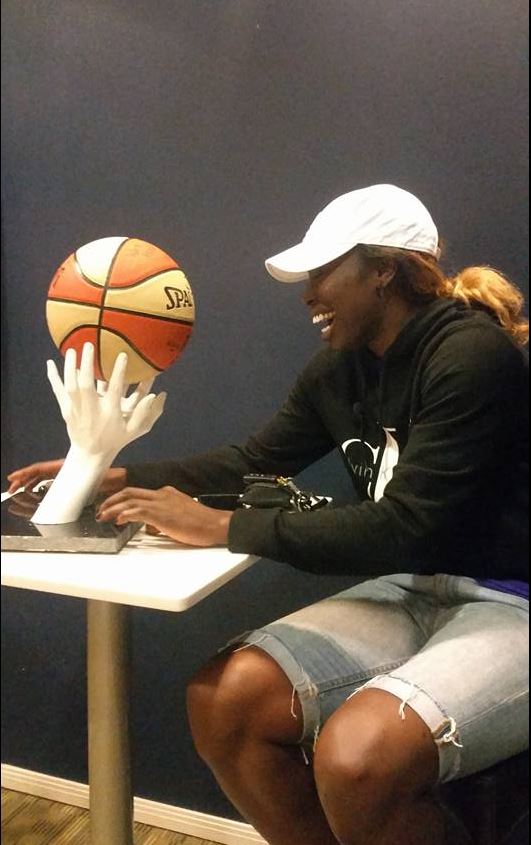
171	513
29	477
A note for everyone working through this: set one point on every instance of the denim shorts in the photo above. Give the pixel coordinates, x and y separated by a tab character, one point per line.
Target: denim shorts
452	650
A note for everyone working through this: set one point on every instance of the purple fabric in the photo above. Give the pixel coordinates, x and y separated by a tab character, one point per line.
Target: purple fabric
517	588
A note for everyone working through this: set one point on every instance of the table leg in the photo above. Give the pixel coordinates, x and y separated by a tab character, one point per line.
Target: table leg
111	799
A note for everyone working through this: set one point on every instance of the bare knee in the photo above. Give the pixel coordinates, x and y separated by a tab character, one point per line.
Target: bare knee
368	763
350	759
367	740
238	696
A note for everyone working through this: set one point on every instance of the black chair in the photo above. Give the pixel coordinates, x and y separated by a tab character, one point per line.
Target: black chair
494	804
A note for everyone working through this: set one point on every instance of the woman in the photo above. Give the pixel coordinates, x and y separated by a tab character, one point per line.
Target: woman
336	723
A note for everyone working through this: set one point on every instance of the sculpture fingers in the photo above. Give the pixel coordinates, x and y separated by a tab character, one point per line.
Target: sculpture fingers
116	386
70	372
142	389
146	414
86	370
58	388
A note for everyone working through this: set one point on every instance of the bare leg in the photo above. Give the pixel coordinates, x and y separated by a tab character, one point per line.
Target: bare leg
240	716
374	774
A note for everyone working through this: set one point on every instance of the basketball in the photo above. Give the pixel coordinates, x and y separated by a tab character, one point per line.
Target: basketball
121	295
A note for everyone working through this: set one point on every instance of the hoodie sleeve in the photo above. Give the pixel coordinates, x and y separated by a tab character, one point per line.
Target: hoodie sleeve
470	390
293	439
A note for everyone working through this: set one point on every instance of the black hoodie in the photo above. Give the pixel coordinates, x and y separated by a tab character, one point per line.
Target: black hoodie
434	435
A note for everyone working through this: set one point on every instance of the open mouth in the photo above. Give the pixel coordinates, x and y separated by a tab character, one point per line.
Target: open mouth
325	322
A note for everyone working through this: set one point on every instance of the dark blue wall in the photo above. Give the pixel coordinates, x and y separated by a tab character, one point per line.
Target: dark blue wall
216	129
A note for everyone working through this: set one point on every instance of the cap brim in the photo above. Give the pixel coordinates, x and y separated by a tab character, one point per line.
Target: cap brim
294	264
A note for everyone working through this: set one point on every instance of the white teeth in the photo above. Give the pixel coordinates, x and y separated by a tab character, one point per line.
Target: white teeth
320	317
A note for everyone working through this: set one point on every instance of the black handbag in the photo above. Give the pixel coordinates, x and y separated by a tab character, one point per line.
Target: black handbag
267	491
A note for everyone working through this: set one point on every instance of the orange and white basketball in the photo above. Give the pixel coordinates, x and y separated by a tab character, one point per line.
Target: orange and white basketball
121	295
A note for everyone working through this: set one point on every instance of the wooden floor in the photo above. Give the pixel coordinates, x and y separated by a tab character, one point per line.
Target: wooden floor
36	821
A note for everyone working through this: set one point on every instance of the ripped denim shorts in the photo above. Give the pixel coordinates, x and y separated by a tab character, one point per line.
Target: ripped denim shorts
452	650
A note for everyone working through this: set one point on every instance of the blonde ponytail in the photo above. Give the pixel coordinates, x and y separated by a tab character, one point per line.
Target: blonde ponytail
484	287
419	279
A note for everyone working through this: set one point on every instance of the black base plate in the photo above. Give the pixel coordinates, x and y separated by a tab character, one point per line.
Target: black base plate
85	535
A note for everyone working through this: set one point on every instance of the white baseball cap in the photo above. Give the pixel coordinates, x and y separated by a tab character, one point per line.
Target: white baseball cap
381	215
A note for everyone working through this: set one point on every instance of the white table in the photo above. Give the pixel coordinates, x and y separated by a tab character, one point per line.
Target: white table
151	572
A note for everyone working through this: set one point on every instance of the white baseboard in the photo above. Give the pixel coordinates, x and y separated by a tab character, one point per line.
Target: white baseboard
202	825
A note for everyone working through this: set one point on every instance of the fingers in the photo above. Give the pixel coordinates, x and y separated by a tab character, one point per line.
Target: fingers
142	389
130	505
20	478
128	402
146	413
27	483
27	477
22	483
65	390
136	512
58	388
134	504
70	372
31	475
127	492
158	406
125	495
171	512
137	421
86	370
116	386
145	386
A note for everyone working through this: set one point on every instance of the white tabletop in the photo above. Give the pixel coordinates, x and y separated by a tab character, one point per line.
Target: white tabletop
150	571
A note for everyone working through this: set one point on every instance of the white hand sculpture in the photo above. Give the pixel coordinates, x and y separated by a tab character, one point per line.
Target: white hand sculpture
99	423
128	403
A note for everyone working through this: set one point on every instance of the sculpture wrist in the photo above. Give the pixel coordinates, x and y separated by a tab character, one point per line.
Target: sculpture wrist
74	487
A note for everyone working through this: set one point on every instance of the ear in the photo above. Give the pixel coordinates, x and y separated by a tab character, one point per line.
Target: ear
385	273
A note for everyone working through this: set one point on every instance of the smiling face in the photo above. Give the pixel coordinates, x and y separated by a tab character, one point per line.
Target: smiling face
346	302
